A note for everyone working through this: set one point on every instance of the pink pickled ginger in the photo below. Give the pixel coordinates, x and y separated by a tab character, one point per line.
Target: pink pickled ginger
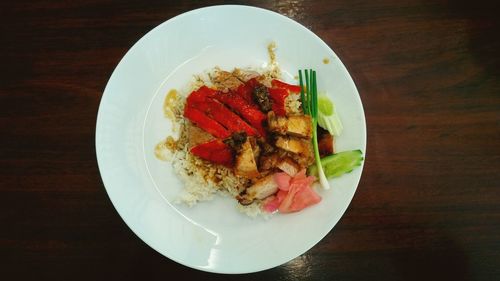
295	193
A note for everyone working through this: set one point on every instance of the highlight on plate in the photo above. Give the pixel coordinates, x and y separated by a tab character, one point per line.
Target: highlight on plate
248	134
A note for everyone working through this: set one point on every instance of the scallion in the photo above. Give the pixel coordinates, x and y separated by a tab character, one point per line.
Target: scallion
309	97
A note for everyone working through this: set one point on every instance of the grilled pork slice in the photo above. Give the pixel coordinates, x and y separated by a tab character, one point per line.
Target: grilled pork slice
285	164
196	135
268	162
295	125
304	160
255	148
288	166
263	188
293	145
276	124
245	164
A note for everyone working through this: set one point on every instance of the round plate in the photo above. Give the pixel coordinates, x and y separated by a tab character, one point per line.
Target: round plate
214	236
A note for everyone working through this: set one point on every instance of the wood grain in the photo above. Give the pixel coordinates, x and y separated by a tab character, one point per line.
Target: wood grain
428	204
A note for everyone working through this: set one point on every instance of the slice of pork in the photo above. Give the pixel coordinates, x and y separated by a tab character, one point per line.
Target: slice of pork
245	164
261	189
294	125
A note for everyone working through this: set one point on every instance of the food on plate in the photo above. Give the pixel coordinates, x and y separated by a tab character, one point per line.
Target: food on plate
256	138
294	125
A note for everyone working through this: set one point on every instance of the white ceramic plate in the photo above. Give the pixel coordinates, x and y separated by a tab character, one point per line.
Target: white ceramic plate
213	236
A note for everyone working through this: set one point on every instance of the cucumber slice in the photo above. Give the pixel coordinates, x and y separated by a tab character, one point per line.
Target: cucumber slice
325	105
338	164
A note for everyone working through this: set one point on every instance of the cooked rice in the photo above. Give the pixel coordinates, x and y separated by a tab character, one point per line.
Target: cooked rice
293	104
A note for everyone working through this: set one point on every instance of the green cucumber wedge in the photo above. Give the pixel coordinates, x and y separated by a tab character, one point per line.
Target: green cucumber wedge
338	164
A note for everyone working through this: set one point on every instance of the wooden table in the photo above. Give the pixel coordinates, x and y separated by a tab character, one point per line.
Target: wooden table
427	206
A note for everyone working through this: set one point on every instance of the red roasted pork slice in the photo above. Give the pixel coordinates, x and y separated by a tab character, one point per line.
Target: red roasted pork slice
249	112
215	151
200	95
253	82
224	116
206	123
279	96
245	91
282	85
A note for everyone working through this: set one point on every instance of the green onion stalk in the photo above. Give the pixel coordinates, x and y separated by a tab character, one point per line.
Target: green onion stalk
309	96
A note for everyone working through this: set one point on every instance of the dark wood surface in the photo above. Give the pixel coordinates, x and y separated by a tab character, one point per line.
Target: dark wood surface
427	206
